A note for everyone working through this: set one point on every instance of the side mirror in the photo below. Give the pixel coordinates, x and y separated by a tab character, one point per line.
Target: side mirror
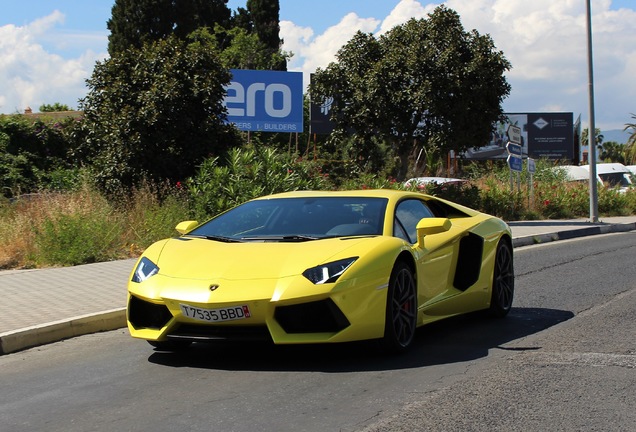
186	226
429	226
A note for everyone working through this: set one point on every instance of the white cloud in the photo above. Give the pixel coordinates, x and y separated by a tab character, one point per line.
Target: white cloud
30	75
404	11
311	53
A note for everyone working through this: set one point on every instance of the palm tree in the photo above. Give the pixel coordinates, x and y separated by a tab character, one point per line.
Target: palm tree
598	137
612	151
630	148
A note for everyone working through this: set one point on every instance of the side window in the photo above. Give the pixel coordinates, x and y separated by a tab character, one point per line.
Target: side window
407	214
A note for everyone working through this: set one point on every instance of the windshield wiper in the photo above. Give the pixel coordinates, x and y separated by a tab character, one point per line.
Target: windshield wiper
299	238
285	238
215	238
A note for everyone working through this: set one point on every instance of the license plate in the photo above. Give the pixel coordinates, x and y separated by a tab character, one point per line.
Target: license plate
215	315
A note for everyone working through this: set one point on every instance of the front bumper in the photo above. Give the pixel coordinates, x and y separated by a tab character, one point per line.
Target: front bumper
345	311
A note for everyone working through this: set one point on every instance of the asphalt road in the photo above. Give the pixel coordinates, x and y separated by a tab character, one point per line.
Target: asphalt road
564	359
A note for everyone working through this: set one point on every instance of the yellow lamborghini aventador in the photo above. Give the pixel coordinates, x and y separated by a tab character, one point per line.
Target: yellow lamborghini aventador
321	267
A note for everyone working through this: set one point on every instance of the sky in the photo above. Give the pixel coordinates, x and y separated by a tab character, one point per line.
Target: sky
48	48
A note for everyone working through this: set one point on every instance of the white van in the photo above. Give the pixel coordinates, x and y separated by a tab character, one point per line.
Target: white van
574	173
613	175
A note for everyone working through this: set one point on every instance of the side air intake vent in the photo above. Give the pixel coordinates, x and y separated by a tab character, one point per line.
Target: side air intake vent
471	250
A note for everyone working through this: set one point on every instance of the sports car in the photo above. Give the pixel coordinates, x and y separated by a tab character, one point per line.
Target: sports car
321	267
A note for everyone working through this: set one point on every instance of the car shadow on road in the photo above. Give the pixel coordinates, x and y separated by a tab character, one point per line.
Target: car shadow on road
458	339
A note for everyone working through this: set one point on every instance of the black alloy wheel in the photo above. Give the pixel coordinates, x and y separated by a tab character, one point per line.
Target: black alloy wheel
503	282
401	309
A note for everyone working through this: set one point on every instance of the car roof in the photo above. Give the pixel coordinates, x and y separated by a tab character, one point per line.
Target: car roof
371	193
574	172
607	168
435	180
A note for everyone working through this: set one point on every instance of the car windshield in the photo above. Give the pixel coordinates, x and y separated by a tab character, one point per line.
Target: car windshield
615	179
297	219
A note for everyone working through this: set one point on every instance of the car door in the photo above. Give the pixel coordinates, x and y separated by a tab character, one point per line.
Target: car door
435	264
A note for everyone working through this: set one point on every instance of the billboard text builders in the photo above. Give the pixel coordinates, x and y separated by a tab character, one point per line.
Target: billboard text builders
267	101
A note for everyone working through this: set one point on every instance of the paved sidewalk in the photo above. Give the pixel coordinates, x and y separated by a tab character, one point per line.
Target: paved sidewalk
47	305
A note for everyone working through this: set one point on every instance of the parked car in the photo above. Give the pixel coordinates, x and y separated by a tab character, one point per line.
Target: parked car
573	173
607	174
421	182
613	175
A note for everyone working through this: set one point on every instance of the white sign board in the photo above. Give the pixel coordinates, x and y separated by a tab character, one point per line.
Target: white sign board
514	134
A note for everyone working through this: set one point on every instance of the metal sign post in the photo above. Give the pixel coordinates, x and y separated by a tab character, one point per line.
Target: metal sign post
515	154
531	170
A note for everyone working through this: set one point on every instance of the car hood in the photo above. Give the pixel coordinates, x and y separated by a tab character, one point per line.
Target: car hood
193	258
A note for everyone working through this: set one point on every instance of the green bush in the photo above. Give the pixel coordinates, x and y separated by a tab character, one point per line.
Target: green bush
465	194
155	113
249	173
612	202
498	199
561	200
31	150
153	214
72	239
631	201
367	180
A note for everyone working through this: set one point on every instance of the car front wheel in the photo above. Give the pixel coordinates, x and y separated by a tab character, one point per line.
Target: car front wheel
401	309
503	281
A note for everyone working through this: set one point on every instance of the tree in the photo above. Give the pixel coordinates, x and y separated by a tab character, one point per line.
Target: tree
612	151
630	150
427	82
265	19
598	139
194	14
245	50
56	107
135	22
155	113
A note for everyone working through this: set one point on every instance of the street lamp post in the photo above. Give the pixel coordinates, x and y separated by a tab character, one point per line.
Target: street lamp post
592	128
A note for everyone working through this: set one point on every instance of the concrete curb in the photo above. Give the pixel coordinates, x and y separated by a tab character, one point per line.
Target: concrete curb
58	330
571	234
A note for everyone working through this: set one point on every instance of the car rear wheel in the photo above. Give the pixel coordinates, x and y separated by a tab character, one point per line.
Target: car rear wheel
170	345
503	283
401	309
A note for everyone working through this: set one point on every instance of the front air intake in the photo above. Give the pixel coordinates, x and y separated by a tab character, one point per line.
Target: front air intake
143	314
315	317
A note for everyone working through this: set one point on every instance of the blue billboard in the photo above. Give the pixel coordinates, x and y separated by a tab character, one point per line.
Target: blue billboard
265	101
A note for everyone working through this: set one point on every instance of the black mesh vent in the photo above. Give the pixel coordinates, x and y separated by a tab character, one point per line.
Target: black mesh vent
316	317
142	314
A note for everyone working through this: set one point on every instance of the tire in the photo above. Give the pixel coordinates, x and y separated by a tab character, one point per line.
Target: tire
503	281
401	309
170	345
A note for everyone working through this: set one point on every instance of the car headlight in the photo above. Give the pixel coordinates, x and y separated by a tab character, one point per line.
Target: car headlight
144	270
328	273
